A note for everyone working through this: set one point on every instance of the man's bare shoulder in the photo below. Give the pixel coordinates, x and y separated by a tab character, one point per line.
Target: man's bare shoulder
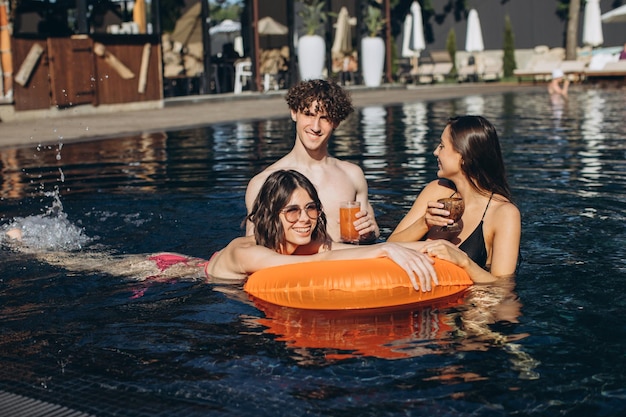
350	168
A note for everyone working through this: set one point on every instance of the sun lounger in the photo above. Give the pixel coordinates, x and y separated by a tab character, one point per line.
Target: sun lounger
574	69
441	70
434	67
468	70
540	70
616	69
492	71
423	74
467	73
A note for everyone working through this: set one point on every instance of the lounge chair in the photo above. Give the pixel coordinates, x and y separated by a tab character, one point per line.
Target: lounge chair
611	70
468	71
424	73
541	64
434	67
574	69
403	74
540	70
493	70
441	70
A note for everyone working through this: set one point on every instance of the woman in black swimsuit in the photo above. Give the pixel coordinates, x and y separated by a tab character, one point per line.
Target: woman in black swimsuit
470	166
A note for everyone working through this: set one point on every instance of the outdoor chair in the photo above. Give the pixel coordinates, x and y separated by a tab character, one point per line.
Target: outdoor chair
424	73
540	70
573	69
466	73
493	70
243	71
611	70
441	70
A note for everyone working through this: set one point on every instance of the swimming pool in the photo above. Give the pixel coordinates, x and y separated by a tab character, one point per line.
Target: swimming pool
106	343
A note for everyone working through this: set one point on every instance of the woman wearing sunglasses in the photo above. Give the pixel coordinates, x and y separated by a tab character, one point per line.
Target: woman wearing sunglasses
290	227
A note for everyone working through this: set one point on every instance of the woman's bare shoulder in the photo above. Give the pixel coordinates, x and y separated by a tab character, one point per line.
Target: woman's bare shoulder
506	211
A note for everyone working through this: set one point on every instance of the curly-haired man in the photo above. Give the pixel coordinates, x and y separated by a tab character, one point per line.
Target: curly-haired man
318	107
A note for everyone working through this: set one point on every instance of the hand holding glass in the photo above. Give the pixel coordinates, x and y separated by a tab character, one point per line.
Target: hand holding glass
456	207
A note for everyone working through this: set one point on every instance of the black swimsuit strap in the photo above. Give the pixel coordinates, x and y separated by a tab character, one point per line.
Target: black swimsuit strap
488	202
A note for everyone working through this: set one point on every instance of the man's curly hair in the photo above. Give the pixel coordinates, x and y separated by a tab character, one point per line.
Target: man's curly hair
330	98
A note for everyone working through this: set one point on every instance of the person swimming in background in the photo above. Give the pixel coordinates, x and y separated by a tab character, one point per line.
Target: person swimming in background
287	214
470	166
555	88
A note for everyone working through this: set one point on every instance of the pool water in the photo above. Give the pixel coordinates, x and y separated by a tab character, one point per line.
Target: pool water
106	341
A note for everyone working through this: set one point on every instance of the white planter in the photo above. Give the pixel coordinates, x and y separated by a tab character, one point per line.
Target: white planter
372	60
311	57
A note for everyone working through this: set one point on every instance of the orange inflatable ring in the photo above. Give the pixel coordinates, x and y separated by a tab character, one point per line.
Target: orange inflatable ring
350	284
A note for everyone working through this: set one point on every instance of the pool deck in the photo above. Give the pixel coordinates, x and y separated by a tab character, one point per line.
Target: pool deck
89	123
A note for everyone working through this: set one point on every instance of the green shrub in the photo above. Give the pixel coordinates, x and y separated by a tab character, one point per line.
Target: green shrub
508	59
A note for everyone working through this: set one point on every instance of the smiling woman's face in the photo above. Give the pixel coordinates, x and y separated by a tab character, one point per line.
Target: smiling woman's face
298	233
448	159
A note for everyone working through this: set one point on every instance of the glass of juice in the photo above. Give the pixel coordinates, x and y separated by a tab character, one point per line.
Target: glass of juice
347	216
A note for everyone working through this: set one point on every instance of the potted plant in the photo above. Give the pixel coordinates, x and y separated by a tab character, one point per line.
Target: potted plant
312	46
373	48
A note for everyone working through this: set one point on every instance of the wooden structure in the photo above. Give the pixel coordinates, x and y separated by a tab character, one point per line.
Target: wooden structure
69	72
82	52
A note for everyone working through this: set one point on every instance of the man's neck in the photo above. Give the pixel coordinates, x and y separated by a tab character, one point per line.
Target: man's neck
307	157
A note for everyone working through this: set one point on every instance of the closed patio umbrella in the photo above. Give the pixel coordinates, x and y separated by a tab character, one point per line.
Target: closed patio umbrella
342	44
592	26
413	42
474	33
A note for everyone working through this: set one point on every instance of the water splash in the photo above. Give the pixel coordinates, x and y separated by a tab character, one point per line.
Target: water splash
50	231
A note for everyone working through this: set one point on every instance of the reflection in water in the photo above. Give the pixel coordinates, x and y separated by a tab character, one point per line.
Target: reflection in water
416	127
374	136
475	105
558	103
380	333
593	137
478	320
491	307
78	165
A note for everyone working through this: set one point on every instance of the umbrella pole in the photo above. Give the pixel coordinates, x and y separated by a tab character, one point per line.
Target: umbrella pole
257	46
388	40
206	56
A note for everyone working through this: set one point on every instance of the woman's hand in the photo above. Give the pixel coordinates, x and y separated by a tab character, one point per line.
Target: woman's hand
436	215
442	249
417	265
